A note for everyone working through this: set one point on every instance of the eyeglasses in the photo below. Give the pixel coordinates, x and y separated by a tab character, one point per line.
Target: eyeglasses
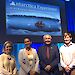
26	41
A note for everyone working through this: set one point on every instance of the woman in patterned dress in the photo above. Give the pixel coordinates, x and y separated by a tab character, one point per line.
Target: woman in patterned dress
28	59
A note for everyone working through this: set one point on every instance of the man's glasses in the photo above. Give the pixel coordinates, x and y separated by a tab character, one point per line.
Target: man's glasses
26	41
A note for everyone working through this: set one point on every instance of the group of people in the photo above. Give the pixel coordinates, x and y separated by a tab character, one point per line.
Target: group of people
42	62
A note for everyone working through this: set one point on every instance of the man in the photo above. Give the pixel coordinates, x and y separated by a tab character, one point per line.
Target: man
49	57
67	55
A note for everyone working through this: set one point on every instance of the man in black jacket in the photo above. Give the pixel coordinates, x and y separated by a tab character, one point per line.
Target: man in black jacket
49	57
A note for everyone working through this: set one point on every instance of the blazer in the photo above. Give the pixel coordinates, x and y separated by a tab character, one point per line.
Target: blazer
25	66
53	59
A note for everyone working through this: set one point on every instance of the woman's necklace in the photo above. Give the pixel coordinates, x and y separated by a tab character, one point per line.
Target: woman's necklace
29	51
9	58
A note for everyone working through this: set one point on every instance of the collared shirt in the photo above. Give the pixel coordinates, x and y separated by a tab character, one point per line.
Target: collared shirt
67	55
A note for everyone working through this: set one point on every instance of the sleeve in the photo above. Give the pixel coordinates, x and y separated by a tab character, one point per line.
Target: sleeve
15	71
1	61
61	60
72	64
2	70
23	63
57	57
73	58
41	62
37	69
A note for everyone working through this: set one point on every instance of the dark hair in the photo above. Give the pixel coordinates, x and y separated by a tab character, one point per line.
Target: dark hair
27	38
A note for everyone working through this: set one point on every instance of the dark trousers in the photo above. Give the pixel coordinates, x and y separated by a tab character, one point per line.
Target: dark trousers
54	72
43	72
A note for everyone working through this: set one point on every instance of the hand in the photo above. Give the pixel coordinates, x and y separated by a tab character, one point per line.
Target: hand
48	67
67	68
10	74
32	72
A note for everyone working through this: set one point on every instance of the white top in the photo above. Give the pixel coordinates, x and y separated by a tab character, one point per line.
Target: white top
28	61
7	65
67	55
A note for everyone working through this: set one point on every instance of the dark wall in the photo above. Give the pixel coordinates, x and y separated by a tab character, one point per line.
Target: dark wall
2	13
2	18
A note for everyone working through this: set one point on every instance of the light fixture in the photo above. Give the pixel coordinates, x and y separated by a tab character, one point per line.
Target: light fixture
67	0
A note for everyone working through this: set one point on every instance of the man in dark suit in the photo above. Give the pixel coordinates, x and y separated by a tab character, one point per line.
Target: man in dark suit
49	57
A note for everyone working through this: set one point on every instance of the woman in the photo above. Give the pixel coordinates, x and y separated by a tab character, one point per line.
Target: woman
7	61
67	55
28	59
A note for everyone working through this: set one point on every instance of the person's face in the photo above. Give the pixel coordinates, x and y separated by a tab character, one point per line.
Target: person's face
8	48
47	39
67	39
27	42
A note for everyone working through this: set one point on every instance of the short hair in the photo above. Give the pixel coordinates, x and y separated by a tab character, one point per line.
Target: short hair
69	34
47	35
